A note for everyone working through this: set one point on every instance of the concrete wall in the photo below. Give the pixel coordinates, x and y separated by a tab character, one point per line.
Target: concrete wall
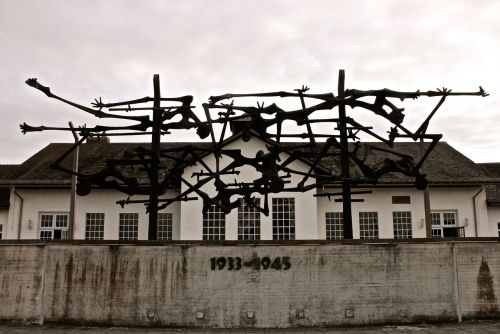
37	201
315	285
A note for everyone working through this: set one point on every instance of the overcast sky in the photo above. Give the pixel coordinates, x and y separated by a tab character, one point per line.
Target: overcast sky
87	49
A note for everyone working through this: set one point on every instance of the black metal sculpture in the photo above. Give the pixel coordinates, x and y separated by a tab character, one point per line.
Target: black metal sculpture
274	167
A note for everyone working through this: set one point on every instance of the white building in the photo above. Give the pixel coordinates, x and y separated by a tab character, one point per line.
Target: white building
35	201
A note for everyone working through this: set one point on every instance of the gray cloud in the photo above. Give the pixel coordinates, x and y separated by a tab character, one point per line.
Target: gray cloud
112	48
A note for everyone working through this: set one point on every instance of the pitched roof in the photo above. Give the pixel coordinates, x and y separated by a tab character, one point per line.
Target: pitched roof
8	172
492	189
445	165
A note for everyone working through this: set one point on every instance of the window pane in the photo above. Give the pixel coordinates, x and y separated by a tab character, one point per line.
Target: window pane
214	224
46	234
400	199
129	225
283	218
94	226
53	225
437	232
449	218
62	220
164	226
46	220
436	218
334	225
248	221
401	221
368	225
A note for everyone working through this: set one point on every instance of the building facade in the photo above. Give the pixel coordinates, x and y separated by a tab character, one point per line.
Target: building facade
35	202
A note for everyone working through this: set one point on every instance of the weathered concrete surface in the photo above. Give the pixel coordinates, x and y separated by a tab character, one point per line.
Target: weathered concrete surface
21	276
179	285
479	279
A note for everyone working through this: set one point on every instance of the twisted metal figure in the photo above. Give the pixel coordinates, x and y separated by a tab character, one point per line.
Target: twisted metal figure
275	166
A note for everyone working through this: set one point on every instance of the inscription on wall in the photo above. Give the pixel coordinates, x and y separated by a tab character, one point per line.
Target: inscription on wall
257	263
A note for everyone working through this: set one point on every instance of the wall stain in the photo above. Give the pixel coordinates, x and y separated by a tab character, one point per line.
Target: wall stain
69	286
487	305
55	290
114	251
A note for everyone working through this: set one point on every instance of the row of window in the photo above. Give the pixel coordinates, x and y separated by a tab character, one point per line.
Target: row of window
283	220
55	226
401	222
283	217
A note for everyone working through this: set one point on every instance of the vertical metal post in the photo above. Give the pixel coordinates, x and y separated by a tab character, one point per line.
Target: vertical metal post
344	161
76	153
155	160
427	201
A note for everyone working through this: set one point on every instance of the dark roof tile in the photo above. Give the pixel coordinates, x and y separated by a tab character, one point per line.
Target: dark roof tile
445	165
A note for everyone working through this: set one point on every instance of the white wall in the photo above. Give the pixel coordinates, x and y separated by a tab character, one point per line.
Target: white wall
37	201
305	203
451	198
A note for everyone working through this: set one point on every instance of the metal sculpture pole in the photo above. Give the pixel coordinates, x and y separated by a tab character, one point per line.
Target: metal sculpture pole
344	161
155	160
273	165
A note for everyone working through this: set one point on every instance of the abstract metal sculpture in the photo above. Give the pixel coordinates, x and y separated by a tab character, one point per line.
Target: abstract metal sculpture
270	123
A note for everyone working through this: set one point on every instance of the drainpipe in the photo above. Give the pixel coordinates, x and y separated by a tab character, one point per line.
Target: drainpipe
19	223
476	229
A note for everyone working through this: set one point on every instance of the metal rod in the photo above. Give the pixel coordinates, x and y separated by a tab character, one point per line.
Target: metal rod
155	159
344	161
72	202
150	108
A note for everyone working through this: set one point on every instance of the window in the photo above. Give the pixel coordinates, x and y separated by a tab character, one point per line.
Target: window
401	221
214	224
129	225
368	225
248	221
1	231
164	226
94	226
400	199
444	224
334	225
498	227
53	225
283	218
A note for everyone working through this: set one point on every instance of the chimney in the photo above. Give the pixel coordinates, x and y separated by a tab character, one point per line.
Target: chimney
240	125
98	140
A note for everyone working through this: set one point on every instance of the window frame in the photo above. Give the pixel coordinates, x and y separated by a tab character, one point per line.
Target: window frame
128	234
371	219
94	231
438	229
285	230
334	225
165	225
248	221
401	199
48	232
401	220
214	224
